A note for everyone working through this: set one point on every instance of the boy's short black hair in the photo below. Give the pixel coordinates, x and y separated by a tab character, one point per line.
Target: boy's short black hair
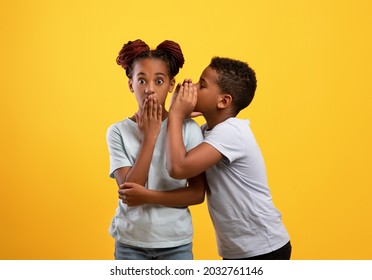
237	79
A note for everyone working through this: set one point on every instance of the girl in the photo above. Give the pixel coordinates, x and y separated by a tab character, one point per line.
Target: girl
137	154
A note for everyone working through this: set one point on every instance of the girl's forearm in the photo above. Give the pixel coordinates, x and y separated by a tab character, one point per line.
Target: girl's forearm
140	170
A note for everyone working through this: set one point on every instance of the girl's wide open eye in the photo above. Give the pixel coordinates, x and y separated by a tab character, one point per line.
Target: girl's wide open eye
159	81
141	81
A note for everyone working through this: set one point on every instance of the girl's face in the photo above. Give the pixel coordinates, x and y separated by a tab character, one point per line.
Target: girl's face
150	77
209	92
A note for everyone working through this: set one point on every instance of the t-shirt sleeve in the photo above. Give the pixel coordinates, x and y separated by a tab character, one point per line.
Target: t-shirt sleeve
118	155
227	139
192	135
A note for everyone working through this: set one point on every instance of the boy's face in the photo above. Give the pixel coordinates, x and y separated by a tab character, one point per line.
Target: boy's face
209	92
150	77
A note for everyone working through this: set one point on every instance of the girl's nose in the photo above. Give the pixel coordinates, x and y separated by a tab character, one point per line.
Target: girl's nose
149	90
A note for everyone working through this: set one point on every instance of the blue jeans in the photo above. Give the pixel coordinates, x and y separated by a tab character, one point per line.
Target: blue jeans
126	252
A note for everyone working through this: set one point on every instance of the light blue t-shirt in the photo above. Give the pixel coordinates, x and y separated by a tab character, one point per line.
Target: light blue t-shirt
150	226
245	219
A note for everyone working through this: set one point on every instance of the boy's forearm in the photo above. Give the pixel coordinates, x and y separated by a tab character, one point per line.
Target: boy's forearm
134	194
176	198
175	148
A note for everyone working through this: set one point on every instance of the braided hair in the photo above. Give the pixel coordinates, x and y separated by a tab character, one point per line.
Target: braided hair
168	51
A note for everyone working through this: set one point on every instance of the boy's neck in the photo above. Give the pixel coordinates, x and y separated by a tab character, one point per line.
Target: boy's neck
219	117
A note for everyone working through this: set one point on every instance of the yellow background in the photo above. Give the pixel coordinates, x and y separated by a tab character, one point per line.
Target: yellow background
60	90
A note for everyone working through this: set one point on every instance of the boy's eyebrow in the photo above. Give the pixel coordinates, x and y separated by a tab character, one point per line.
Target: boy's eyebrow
203	80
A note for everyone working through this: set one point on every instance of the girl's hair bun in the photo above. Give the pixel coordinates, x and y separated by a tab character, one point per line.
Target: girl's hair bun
130	51
174	50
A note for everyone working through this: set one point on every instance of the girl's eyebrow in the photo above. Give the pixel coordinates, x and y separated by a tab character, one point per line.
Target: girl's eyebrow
158	74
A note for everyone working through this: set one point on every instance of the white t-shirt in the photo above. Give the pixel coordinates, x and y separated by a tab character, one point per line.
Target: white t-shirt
150	226
245	219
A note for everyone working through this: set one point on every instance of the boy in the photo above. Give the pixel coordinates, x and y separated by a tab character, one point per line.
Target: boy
246	222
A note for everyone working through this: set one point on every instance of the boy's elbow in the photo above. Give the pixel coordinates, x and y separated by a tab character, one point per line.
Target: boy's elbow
201	199
196	199
199	195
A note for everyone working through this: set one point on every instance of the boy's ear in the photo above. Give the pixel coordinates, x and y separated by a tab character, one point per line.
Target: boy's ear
171	85
130	84
225	101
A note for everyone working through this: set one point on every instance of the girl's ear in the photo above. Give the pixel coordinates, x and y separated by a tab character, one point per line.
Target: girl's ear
225	101
171	85
130	85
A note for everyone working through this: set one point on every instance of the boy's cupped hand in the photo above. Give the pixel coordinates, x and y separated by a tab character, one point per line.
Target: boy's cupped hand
184	100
